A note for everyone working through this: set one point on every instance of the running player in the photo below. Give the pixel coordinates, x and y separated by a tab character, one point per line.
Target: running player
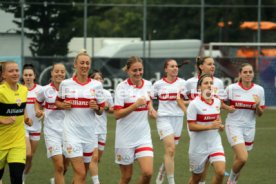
81	97
32	132
203	116
133	137
53	121
249	101
101	129
169	116
13	99
206	65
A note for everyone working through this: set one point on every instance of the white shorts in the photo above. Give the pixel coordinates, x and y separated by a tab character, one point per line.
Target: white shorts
239	135
198	161
84	150
126	156
54	146
33	135
101	140
168	125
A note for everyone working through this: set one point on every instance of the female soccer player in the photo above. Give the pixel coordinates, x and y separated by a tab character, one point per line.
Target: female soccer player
32	132
133	137
13	99
249	101
169	115
53	121
101	129
206	65
81	98
203	116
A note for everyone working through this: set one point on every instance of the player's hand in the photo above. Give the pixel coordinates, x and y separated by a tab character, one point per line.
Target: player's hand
257	100
93	105
216	124
140	101
39	114
221	128
8	120
67	104
28	121
231	109
153	113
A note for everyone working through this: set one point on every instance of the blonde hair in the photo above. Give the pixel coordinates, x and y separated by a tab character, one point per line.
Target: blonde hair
4	64
82	52
131	61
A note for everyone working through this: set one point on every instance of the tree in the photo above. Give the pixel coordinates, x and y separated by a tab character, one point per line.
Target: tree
48	25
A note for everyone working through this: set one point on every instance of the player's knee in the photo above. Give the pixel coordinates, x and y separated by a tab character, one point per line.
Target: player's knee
126	178
59	169
147	174
242	159
220	173
171	150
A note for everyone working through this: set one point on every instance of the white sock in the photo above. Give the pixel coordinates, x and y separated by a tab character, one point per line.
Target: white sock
95	179
201	182
170	179
24	176
233	176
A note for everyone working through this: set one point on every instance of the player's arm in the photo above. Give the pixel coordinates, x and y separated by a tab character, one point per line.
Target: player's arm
28	121
193	126
122	112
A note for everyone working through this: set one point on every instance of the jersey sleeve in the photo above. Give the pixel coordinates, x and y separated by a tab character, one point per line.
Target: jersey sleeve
154	90
61	92
192	113
100	98
262	98
119	97
40	97
109	98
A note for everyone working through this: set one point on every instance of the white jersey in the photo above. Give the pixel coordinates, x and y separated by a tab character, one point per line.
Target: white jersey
201	112
133	129
79	121
167	93
244	103
191	85
101	120
32	94
53	120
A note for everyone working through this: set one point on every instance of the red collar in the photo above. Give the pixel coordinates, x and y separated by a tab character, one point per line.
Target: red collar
76	80
52	84
251	86
166	80
32	87
208	103
131	84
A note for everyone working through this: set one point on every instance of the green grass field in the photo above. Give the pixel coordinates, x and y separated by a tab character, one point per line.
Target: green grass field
260	168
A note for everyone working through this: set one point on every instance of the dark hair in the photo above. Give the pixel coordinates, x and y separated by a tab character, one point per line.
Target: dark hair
201	78
53	66
92	75
199	61
31	67
166	63
242	66
131	61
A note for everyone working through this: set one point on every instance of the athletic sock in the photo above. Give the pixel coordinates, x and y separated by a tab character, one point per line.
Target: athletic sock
170	179
95	179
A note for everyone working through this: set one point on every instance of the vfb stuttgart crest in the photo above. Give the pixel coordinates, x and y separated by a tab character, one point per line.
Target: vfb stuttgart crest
18	102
